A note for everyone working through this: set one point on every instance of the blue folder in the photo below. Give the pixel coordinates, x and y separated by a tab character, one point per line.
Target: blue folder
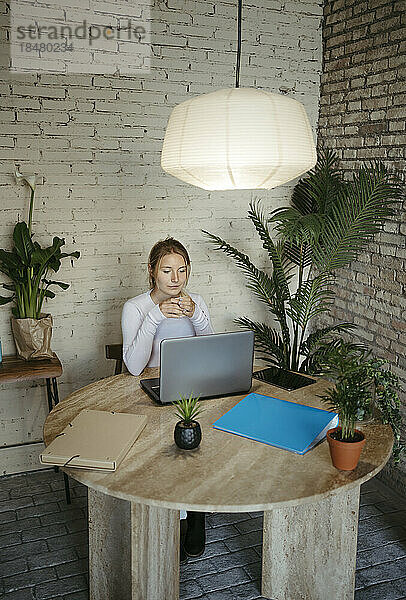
286	425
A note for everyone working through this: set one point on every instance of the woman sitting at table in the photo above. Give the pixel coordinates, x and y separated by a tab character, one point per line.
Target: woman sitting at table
166	311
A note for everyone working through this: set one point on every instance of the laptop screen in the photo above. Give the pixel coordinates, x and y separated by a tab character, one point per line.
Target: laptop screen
218	364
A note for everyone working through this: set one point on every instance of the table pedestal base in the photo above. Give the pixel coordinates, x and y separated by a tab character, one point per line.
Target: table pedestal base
309	551
133	550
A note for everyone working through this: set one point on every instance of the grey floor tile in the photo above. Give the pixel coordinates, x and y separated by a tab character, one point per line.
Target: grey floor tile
7	516
61	587
77	596
26	594
12	481
372	497
29	490
56	557
19	525
254	570
383	554
369	486
243	541
47	475
38	511
4	495
389	505
48	497
76	525
221	519
230	560
76	503
394	519
219	595
250	525
190	589
76	567
65	541
193	570
10	539
15	503
79	491
212	549
365	512
223	580
381	538
44	533
221	533
245	591
13	567
229	569
390	571
400	585
28	579
66	516
82	550
383	591
22	550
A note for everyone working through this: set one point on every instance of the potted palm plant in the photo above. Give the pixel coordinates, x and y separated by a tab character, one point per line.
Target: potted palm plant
361	385
330	221
28	267
188	433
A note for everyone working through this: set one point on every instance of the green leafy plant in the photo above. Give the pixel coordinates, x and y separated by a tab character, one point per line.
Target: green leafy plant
352	391
362	383
187	409
28	266
330	221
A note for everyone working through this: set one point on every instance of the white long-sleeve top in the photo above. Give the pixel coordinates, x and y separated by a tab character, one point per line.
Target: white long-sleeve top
144	326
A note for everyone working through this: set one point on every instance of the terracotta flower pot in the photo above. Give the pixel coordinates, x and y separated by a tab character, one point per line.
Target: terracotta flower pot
345	455
187	435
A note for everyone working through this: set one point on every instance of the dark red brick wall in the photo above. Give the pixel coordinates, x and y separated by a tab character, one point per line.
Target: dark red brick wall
362	116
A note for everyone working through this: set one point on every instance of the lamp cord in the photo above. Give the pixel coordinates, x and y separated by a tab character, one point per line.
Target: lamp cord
237	69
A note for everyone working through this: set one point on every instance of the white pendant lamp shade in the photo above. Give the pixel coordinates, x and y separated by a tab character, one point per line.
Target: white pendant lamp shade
238	138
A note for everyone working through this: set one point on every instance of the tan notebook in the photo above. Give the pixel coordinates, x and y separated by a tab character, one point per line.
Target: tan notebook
95	439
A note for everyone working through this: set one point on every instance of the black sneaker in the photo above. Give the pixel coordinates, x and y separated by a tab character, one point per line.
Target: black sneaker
195	539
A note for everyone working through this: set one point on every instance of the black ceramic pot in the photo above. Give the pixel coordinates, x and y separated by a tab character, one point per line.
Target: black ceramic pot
187	436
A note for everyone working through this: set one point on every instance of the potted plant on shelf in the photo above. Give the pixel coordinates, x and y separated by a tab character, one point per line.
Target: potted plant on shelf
28	267
362	385
188	433
330	222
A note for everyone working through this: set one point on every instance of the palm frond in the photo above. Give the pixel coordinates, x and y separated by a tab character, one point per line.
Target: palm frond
316	192
295	227
282	270
311	298
319	361
258	281
299	254
316	337
359	212
268	341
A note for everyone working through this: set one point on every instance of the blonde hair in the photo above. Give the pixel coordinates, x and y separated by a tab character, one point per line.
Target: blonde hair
161	249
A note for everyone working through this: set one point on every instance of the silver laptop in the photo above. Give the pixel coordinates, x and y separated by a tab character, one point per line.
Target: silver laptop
207	366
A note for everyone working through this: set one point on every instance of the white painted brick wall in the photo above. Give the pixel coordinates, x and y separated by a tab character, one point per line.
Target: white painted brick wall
95	141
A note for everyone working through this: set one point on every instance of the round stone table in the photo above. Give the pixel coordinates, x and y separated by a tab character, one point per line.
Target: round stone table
310	508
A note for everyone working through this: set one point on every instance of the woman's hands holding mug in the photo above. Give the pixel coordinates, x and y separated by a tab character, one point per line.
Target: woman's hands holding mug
175	308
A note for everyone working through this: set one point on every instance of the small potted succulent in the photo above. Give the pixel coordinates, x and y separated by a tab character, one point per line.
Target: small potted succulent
362	385
187	432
